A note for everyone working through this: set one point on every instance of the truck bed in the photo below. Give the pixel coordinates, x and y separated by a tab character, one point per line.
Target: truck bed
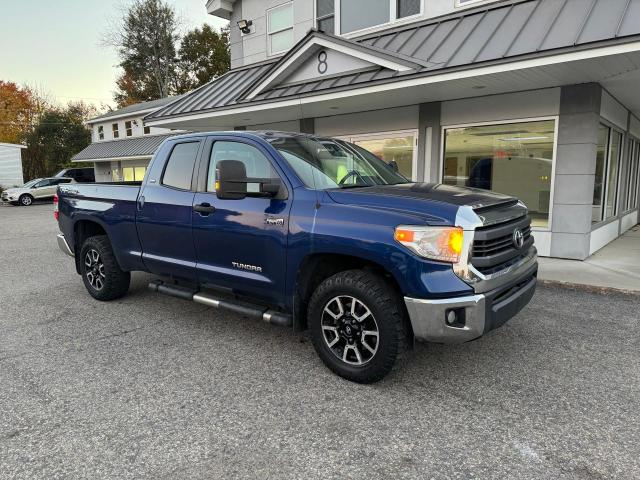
111	205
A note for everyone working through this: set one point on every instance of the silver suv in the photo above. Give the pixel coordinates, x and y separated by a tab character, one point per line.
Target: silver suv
38	189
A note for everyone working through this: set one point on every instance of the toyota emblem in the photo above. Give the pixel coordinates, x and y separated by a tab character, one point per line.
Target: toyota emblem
518	238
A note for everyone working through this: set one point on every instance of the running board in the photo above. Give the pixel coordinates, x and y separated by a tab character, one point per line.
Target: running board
248	309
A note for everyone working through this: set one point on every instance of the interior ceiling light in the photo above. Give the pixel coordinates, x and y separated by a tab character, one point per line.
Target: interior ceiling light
520	139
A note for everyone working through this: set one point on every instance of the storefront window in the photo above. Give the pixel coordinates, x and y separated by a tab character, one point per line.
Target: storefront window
398	150
515	159
612	182
605	190
601	163
634	166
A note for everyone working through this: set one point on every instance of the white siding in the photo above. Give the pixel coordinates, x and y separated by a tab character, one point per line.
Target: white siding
137	128
10	166
603	235
634	127
252	48
376	121
613	111
497	108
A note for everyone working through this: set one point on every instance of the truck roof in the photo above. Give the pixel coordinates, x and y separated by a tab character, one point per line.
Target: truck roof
263	134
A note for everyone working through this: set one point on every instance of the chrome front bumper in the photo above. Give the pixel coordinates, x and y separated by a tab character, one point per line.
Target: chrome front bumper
496	300
64	246
429	319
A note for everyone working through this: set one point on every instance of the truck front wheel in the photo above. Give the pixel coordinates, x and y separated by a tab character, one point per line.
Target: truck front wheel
357	325
101	274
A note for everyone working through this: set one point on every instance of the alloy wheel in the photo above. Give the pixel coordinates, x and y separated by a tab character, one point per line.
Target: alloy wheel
94	269
350	330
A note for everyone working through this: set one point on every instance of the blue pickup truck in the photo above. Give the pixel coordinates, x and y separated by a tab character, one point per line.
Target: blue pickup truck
309	232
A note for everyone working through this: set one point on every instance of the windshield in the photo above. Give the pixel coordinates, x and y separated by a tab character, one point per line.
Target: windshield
31	183
324	163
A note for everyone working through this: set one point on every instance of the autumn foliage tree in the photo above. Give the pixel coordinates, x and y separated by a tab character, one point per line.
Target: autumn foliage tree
19	109
53	134
156	60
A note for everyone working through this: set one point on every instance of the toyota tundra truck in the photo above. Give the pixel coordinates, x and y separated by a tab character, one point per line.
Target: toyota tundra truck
312	233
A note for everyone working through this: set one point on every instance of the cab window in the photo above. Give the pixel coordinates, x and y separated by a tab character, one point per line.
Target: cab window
256	163
179	169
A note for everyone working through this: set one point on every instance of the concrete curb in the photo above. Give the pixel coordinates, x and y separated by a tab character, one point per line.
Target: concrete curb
588	288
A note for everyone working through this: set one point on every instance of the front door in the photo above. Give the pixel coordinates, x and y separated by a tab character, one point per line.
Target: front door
241	244
164	212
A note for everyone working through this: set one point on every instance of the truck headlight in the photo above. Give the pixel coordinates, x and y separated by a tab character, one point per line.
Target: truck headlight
436	243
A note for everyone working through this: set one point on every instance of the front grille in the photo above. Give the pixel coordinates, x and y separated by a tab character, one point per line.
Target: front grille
504	243
493	246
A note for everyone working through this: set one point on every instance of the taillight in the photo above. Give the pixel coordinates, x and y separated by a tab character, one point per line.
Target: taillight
56	213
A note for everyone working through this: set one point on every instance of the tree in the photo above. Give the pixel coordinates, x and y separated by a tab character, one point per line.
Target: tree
18	111
58	136
146	40
203	55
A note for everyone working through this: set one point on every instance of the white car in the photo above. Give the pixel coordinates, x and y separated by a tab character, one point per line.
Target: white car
38	189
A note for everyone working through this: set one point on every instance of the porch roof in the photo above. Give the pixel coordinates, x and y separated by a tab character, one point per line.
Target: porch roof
142	147
487	35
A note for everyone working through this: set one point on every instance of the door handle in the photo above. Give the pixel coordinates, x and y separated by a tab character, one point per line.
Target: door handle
204	208
140	203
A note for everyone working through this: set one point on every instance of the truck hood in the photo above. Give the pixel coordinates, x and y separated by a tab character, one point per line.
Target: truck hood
431	200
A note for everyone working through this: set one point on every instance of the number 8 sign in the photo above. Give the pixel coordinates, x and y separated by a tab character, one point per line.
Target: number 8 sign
323	66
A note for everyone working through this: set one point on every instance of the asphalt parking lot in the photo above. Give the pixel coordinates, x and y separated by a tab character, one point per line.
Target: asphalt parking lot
156	387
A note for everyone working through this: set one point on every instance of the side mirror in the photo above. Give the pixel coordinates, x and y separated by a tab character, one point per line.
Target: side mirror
394	166
231	180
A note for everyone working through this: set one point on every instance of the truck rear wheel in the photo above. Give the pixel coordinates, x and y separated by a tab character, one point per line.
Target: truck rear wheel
357	325
101	274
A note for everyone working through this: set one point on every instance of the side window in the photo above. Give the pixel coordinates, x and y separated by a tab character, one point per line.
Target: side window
257	165
43	183
179	169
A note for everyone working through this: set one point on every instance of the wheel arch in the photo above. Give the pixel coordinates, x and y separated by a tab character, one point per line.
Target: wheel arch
317	267
83	229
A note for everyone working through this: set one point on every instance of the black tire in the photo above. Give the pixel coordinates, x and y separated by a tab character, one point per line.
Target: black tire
374	294
101	274
25	200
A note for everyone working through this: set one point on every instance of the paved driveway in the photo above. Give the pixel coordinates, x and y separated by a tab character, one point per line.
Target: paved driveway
156	387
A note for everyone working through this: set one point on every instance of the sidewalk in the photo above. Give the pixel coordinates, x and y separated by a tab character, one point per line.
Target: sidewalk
616	266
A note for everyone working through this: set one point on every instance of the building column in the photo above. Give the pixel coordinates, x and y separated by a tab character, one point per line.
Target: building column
429	142
575	170
308	125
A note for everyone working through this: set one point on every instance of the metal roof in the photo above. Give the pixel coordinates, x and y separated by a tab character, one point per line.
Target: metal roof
221	92
130	147
491	33
510	29
138	107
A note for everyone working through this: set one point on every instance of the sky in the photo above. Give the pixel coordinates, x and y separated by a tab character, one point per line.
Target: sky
56	45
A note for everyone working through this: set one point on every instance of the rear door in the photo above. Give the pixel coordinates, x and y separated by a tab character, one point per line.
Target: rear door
242	244
164	211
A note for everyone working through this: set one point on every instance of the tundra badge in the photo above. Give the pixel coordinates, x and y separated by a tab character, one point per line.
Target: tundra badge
274	221
244	266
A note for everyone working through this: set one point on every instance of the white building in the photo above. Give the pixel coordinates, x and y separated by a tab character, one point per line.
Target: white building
533	98
11	165
122	145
